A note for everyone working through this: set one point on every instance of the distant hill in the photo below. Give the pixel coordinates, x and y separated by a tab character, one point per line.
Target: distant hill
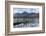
26	14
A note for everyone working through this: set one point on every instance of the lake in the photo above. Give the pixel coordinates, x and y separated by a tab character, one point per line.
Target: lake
26	22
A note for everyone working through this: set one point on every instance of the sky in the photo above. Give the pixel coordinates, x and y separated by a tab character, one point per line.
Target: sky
29	10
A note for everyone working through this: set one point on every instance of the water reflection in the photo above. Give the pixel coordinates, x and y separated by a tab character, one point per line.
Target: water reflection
29	22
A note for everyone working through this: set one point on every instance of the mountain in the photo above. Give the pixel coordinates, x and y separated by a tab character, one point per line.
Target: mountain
26	14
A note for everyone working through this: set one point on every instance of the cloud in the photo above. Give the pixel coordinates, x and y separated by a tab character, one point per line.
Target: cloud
29	10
